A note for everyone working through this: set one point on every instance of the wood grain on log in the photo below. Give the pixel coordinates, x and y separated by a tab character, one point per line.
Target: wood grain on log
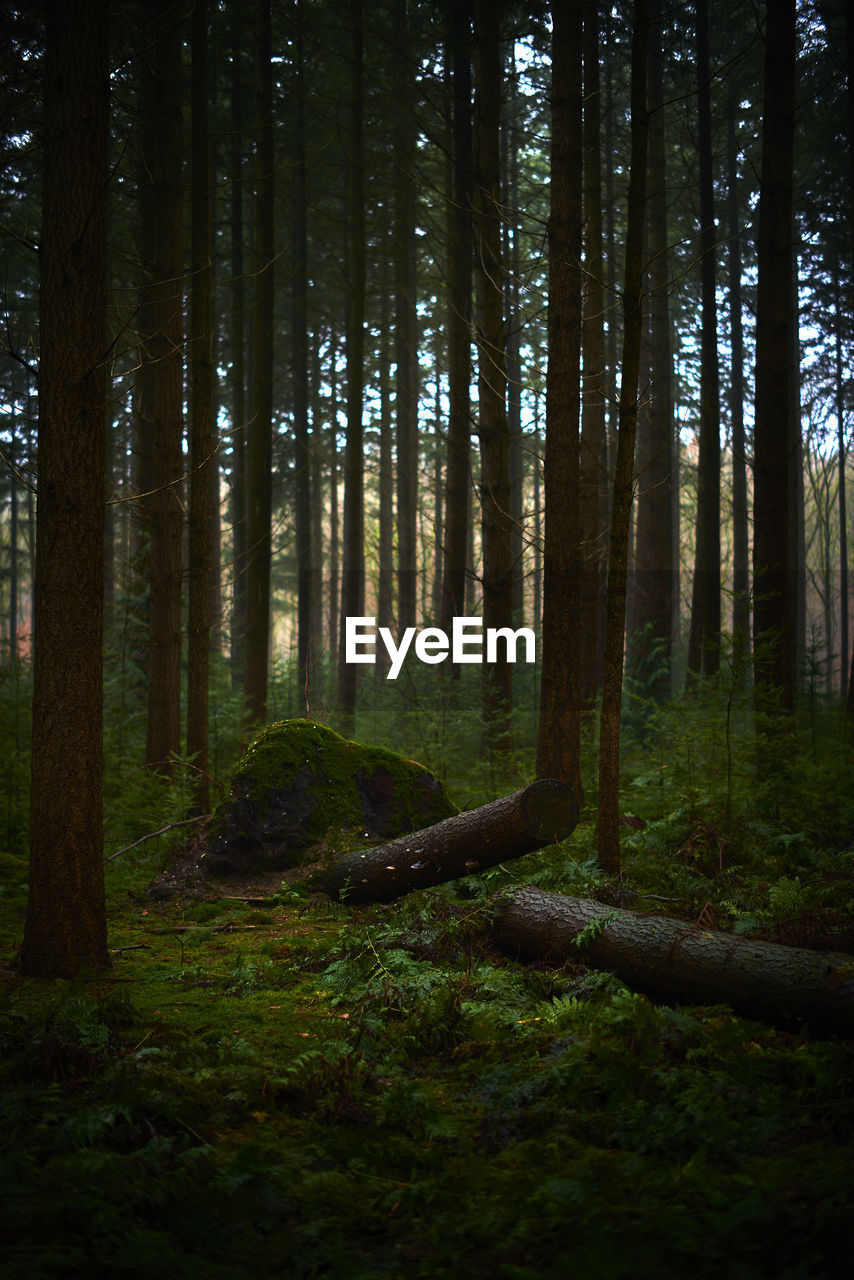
678	961
506	828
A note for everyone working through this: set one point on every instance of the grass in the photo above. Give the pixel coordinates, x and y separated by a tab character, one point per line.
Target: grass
300	1089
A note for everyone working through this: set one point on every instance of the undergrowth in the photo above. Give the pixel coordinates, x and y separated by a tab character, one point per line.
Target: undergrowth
292	1088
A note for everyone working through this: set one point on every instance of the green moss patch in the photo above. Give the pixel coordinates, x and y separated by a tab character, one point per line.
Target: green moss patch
299	784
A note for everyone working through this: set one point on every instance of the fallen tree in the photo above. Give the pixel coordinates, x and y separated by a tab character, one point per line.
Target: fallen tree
509	827
678	961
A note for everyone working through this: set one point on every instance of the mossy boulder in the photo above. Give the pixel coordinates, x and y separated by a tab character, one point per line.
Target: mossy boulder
299	785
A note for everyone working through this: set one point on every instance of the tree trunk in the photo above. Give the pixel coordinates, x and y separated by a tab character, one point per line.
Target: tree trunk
740	535
458	55
558	741
513	326
306	573
592	477
492	374
704	644
795	451
653	585
260	454
676	960
841	460
405	326
608	834
334	521
318	511
65	932
353	558
510	827
161	374
238	375
385	583
13	548
849	63
771	516
201	419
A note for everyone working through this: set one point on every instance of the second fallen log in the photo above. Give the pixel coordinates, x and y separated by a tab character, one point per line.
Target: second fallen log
675	960
509	827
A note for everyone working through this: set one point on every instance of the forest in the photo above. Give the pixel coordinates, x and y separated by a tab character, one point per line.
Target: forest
424	434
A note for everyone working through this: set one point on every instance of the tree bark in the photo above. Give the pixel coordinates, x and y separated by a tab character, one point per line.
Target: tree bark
65	932
353	549
842	455
334	519
13	548
849	63
740	528
201	419
593	470
772	638
458	56
608	833
161	374
306	572
385	582
514	825
405	325
653	585
260	453
513	327
676	960
704	643
492	374
238	374
558	741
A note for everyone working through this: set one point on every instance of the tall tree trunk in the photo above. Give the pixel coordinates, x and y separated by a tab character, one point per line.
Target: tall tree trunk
458	57
161	374
238	374
334	523
704	644
13	546
65	932
849	63
201	418
592	477
260	459
353	560
841	459
772	639
492	372
612	313
608	833
385	586
306	576
109	515
653	593
513	330
405	327
318	513
741	554
795	448
558	739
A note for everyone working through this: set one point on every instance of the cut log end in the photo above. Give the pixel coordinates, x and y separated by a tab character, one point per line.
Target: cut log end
550	810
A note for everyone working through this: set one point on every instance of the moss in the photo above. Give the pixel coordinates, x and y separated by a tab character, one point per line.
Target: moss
299	783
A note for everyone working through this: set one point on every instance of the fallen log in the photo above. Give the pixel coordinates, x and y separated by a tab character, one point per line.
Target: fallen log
677	961
509	827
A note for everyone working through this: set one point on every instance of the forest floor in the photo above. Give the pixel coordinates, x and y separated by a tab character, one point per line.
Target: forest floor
287	1087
